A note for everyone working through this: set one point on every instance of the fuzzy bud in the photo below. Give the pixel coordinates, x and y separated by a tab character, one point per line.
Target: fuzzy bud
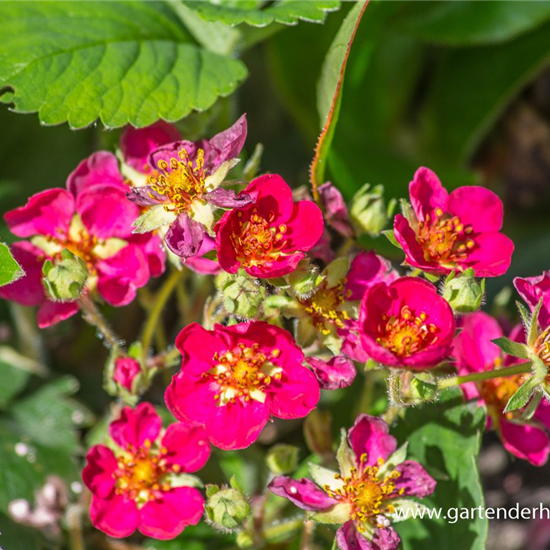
65	279
227	507
243	297
464	292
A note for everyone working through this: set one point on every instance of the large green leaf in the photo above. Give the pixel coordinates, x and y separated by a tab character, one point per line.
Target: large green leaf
10	270
329	90
50	418
258	14
473	86
14	536
445	438
472	22
124	62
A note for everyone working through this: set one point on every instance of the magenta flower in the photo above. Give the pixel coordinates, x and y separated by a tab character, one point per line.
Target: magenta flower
142	483
183	188
333	374
136	144
474	351
335	209
364	498
125	372
270	237
234	378
532	290
78	220
406	324
453	231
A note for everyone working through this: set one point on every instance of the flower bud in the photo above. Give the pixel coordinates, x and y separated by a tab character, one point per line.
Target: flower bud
304	279
369	213
126	372
227	508
243	297
245	540
464	292
282	459
423	387
65	279
317	432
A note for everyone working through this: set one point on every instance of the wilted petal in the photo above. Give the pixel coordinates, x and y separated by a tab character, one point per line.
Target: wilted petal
226	145
414	480
336	211
185	236
226	198
302	492
144	196
370	435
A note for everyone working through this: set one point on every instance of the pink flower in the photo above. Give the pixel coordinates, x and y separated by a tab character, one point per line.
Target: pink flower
335	209
406	324
94	221
270	237
338	372
184	188
137	486
364	497
453	231
200	264
532	289
136	144
234	378
474	352
125	372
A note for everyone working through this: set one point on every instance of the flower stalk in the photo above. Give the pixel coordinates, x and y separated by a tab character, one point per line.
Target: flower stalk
452	381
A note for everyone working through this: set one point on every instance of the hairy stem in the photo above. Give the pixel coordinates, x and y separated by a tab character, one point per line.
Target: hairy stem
156	311
480	376
93	316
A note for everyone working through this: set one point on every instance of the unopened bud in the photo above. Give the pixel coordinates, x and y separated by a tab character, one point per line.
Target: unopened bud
464	292
369	213
304	279
423	387
282	459
126	372
243	297
317	432
227	508
65	279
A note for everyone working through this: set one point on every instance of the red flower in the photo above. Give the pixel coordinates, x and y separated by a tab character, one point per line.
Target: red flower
233	378
137	486
269	237
453	231
406	324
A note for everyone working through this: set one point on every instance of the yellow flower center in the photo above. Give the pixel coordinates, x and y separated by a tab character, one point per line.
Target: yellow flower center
324	307
406	333
366	491
243	373
179	181
139	474
444	239
257	242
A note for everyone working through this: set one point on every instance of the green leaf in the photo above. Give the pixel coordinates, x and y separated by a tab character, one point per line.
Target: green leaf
124	62
253	12
390	235
512	348
478	96
533	327
471	22
522	394
445	438
50	418
10	270
329	96
14	536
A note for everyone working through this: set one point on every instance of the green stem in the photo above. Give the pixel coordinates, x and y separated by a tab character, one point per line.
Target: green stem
480	376
154	316
290	527
75	528
93	316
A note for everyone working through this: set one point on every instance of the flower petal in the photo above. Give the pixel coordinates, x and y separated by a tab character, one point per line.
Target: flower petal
50	313
168	516
297	393
47	213
305	226
99	168
414	480
414	255
336	210
301	492
135	426
427	193
187	446
144	196
367	269
184	237
106	212
338	372
348	538
492	255
226	145
198	347
477	207
200	264
97	475
116	516
525	441
370	435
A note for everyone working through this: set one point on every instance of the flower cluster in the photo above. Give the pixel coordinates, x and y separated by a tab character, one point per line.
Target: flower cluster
294	306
